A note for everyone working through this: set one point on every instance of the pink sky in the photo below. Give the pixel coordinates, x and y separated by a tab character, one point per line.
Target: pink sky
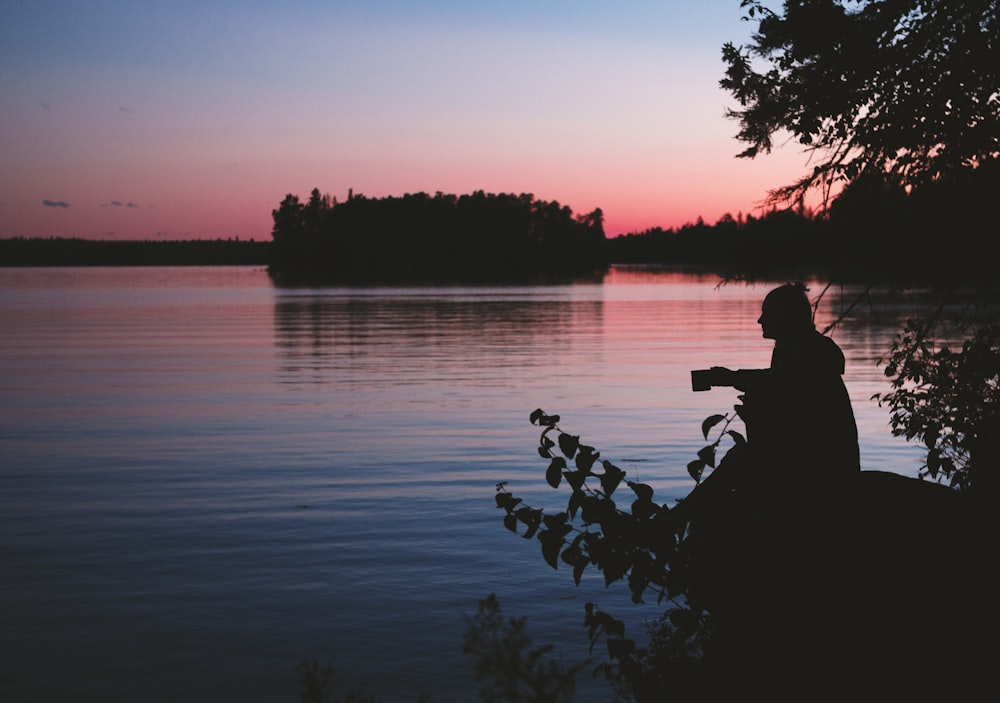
143	125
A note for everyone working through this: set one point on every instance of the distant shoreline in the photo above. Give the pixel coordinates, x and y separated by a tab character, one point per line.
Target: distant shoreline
54	252
58	251
70	252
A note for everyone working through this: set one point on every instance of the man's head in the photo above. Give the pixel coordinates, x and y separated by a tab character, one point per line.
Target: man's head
786	312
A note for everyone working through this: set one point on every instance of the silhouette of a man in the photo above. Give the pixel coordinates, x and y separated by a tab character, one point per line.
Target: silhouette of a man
802	437
763	523
798	411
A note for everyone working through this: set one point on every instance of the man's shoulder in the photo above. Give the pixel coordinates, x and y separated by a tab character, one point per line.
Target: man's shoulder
828	351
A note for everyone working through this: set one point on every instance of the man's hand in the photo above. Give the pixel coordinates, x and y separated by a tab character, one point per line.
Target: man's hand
721	376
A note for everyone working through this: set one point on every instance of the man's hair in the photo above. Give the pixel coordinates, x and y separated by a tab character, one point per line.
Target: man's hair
790	303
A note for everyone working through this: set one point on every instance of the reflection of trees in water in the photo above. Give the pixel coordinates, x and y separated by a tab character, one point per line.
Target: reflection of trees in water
323	334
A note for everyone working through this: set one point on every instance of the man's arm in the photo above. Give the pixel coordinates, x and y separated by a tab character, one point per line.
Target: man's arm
740	379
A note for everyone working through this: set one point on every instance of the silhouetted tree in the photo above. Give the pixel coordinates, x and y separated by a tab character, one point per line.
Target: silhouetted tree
903	87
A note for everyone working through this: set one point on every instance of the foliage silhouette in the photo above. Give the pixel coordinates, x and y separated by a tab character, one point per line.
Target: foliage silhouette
949	399
315	685
763	606
906	88
896	103
508	667
643	546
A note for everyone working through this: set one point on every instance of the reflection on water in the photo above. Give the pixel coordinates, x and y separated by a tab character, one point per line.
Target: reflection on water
344	337
206	478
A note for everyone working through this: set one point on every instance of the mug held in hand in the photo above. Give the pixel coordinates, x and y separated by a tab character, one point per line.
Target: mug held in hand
701	380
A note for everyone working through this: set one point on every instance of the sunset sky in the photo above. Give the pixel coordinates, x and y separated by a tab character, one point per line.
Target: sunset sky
192	119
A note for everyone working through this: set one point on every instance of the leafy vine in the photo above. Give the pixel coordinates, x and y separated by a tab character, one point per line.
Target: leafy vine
645	545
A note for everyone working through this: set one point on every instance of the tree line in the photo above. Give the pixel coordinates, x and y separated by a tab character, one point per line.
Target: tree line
418	236
75	251
875	229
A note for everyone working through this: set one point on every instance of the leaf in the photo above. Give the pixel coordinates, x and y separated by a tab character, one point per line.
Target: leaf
931	436
947	466
707	455
684	619
739	439
710	422
538	417
637	582
611	626
615	566
586	457
568	444
644	508
552	542
557	523
581	538
507	501
576	479
695	469
620	648
642	491
532	517
933	462
675	583
596	510
553	475
510	522
611	478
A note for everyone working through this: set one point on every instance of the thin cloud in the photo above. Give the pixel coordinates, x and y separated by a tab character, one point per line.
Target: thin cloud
119	203
55	203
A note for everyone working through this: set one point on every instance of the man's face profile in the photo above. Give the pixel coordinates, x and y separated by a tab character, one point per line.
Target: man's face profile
768	323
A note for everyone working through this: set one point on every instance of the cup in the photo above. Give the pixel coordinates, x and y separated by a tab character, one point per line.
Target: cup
701	380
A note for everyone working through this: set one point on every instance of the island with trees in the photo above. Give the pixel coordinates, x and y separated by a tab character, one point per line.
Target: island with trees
474	237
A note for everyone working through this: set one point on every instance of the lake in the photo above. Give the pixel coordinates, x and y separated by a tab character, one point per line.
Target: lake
207	479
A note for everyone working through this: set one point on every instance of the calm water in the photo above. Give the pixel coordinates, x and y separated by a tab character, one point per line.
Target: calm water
206	479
